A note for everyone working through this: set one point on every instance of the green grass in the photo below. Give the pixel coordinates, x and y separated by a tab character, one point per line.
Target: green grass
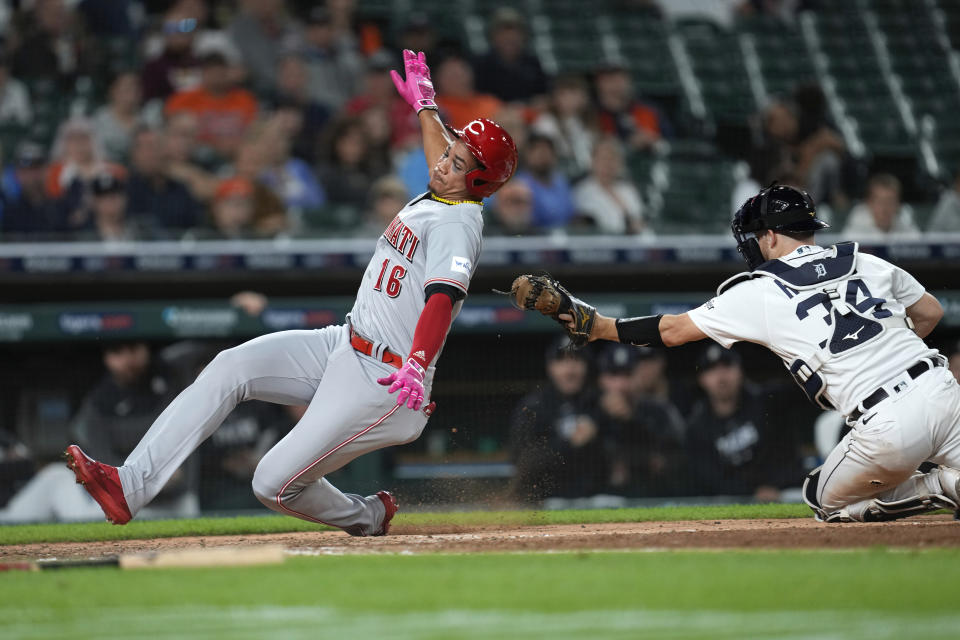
872	594
87	532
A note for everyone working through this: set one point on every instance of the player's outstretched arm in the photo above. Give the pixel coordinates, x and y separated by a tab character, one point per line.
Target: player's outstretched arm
584	324
925	314
664	330
417	89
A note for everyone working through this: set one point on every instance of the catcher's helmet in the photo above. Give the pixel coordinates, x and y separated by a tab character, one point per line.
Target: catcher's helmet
496	152
778	207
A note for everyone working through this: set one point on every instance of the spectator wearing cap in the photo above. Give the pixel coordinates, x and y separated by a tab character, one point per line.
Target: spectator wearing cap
457	96
649	380
554	440
335	65
114	122
509	70
644	436
262	30
511	212
569	119
15	108
606	198
157	201
732	447
108	221
305	116
552	197
223	110
637	124
26	209
379	100
882	213
173	55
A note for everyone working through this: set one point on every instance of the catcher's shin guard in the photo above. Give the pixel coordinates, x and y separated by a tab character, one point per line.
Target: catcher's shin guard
880	511
809	493
876	510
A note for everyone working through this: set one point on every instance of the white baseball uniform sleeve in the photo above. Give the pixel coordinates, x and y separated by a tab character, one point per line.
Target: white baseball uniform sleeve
805	324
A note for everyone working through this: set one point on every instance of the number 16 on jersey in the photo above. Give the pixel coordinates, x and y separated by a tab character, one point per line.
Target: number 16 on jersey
393	286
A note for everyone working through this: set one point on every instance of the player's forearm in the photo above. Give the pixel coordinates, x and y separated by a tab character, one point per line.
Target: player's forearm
604	328
663	330
432	327
436	138
925	314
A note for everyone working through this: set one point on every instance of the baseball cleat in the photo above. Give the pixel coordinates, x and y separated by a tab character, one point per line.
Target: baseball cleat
102	482
391	506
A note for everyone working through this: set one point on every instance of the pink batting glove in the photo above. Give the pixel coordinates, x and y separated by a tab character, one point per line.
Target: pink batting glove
409	380
417	89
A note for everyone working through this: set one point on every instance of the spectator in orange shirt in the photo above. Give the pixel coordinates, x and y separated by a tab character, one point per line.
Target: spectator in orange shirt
456	95
638	125
223	111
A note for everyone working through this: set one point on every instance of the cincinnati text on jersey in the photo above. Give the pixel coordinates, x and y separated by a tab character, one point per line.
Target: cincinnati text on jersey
402	238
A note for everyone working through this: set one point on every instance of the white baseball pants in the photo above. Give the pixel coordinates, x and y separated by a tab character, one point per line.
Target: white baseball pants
920	421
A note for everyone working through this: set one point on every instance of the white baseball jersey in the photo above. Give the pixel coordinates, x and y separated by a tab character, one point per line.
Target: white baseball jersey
841	312
429	242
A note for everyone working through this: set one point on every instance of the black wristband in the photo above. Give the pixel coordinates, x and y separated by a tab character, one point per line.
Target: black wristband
642	331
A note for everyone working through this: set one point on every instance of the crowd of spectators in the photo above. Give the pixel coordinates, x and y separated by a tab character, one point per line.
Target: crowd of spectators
611	420
286	112
617	420
263	117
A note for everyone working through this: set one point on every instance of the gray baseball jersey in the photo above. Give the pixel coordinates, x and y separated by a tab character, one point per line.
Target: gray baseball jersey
429	242
837	318
348	413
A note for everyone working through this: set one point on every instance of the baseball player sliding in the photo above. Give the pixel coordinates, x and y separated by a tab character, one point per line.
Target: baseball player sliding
412	290
849	328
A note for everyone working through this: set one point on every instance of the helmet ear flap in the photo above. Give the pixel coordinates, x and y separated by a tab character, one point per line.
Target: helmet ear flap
749	248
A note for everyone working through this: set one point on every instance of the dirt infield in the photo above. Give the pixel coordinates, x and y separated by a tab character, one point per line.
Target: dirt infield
915	533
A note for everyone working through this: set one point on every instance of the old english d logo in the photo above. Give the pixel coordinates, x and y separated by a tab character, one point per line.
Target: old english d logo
820	269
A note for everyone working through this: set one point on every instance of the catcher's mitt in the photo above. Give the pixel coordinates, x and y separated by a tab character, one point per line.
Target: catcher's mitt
549	297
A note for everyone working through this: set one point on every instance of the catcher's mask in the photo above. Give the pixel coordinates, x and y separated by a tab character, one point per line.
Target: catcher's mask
778	208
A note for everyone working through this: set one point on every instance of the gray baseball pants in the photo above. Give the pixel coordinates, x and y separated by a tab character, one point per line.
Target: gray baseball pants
349	414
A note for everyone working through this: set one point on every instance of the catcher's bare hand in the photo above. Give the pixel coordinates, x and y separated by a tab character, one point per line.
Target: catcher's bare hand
549	297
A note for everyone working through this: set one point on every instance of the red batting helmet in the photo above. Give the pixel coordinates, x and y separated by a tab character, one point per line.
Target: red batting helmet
496	152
